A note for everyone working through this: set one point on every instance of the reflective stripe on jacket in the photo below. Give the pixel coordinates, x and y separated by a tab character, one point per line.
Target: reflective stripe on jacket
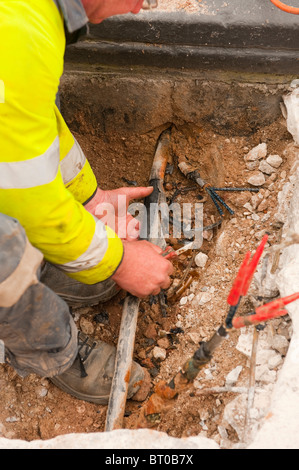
44	175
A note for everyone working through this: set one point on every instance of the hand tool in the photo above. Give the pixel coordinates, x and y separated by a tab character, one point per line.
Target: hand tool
125	346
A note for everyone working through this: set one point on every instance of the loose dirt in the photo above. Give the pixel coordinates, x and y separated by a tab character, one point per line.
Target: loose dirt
188	6
33	408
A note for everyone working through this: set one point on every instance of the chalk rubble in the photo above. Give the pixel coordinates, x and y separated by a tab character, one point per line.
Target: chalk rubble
256	153
257	179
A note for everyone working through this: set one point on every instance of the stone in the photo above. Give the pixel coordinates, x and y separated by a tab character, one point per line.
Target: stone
194	337
183	300
248	206
41	392
274	160
232	376
223	243
234	414
262	399
117	439
254	413
204	415
264	374
275	361
202	298
86	326
257	179
283	198
12	419
252	165
280	344
201	260
159	353
151	331
244	345
240	199
266	217
266	168
269	283
142	354
263	205
207	235
255	201
284	331
163	343
208	374
257	153
265	355
271	180
223	432
255	217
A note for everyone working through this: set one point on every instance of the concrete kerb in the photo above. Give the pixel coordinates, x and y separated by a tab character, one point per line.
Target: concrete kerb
281	428
119	439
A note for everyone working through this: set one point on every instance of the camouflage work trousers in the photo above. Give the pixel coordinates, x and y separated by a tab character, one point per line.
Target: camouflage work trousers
36	326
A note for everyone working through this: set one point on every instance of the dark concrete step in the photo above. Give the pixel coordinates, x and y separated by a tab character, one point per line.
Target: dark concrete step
236	35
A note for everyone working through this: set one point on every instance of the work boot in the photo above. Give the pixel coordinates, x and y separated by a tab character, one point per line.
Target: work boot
90	376
75	293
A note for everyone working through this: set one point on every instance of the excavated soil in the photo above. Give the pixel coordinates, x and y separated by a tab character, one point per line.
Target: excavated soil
33	408
190	6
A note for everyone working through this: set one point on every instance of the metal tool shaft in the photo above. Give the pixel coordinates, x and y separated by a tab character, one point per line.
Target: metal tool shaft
126	340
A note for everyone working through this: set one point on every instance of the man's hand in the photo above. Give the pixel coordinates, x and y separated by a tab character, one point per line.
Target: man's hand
143	271
98	10
112	208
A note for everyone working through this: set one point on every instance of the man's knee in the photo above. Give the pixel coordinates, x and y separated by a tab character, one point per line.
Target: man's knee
19	261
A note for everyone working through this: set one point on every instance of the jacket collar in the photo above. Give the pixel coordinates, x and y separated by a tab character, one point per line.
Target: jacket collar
74	14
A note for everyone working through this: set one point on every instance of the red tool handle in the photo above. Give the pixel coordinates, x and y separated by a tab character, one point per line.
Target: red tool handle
245	274
240	322
235	293
266	312
277	304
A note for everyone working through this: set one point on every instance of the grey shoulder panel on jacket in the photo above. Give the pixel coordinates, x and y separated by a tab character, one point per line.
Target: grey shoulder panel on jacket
73	13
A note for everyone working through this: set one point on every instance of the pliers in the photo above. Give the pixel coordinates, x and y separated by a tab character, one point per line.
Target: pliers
240	288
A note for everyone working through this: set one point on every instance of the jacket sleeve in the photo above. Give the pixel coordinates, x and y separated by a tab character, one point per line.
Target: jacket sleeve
37	185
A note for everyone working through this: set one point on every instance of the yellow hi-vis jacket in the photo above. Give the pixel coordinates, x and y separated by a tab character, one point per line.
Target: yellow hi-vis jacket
44	176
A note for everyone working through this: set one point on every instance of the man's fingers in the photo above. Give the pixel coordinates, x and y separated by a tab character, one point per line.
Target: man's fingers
137	193
156	291
166	283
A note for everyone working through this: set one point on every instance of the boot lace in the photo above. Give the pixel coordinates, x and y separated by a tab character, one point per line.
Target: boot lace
85	346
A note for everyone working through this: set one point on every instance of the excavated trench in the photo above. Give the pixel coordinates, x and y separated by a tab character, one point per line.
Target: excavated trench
218	119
